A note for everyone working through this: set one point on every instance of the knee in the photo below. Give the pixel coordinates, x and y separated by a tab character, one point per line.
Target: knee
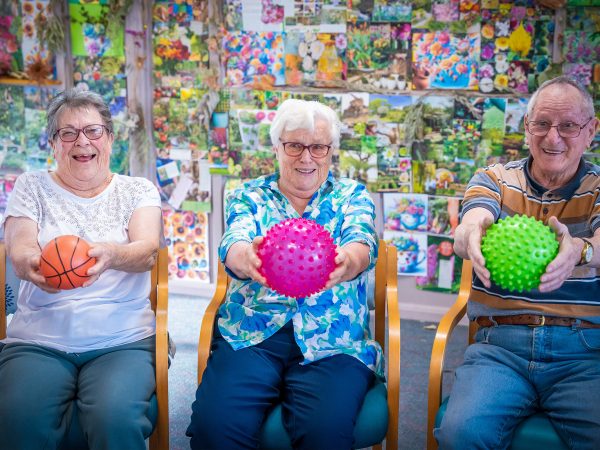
15	413
323	432
122	416
217	426
462	432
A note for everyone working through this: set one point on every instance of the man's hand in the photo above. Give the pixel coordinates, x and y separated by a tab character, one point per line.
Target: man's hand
561	267
467	241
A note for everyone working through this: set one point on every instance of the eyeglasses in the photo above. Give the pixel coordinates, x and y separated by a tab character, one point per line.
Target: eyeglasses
296	149
566	130
70	134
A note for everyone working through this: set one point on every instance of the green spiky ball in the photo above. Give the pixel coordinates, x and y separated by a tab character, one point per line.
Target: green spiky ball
517	250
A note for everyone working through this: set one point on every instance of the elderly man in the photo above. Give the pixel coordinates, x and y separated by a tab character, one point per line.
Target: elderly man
540	349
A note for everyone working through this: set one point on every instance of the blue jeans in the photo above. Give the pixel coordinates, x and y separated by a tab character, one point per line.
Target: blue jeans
320	401
511	372
112	388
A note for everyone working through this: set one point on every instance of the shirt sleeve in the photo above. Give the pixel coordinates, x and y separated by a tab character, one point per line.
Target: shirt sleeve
149	195
240	223
359	222
483	191
22	201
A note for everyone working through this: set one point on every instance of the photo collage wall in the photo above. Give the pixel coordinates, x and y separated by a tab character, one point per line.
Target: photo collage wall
428	92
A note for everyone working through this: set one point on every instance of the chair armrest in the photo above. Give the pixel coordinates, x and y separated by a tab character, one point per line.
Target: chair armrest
436	367
160	438
206	328
393	363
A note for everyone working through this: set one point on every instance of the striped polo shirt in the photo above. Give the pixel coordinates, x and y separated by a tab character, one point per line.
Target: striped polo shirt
509	189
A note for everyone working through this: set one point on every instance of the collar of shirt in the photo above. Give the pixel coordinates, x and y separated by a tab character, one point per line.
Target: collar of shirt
566	191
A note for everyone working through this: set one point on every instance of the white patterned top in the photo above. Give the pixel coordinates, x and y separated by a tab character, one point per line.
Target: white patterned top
115	310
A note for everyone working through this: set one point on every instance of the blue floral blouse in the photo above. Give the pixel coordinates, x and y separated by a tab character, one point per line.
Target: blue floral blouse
328	323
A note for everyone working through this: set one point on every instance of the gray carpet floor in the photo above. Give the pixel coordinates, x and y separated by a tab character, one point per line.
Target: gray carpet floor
185	314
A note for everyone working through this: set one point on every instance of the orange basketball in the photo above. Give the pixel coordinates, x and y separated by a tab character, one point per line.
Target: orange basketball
65	262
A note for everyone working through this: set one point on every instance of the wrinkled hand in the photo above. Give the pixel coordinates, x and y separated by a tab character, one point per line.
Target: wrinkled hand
253	262
242	259
561	267
342	269
30	271
105	254
470	236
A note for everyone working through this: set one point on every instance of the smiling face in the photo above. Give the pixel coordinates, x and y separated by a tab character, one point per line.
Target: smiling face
84	163
301	176
556	159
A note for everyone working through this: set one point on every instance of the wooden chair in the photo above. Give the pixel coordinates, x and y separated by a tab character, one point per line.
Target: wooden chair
536	431
375	421
159	439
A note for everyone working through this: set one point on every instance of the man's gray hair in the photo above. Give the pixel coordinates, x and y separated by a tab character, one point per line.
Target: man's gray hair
76	99
294	114
587	106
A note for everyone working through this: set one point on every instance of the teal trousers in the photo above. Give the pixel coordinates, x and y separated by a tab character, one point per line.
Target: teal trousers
110	390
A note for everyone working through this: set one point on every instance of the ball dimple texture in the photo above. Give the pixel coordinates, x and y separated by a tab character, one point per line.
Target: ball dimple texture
297	256
517	250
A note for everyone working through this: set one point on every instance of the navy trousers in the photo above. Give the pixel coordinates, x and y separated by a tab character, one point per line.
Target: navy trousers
320	401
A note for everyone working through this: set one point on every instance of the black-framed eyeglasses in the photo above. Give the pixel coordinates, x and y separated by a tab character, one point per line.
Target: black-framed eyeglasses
566	130
315	150
70	134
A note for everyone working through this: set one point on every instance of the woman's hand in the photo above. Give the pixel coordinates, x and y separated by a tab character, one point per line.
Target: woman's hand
350	261
105	253
242	259
28	269
20	236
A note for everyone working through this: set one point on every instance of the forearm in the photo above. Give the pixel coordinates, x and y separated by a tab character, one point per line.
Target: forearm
138	256
20	236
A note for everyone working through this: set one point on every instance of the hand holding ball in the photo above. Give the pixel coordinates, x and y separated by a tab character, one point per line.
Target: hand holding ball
297	257
65	262
517	250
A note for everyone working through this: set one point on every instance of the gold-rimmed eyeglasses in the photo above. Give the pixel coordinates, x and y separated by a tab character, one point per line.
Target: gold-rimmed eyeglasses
315	150
70	134
566	130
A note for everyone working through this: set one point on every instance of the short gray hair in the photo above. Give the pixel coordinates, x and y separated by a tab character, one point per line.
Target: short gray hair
587	106
76	99
295	114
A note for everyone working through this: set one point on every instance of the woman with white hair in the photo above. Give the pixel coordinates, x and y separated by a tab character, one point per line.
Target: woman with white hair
313	354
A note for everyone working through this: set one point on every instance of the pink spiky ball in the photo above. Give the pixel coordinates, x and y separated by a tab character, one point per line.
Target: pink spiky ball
297	257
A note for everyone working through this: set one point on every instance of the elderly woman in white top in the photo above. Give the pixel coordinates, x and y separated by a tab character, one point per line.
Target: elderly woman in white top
93	344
